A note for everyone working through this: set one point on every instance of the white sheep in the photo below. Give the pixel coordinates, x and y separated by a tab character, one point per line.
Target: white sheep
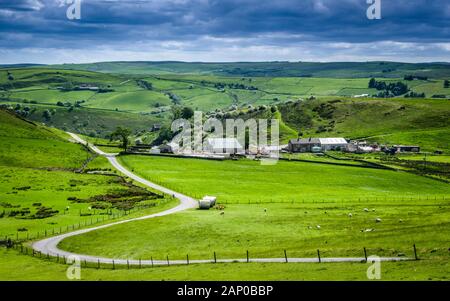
318	227
366	210
378	220
350	215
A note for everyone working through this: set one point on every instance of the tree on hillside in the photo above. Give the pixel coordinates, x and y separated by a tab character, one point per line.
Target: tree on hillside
446	83
47	115
122	134
187	113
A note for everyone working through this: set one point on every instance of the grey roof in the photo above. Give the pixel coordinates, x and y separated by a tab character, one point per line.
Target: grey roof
305	141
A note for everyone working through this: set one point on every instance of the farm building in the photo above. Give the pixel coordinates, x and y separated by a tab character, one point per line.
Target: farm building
309	145
304	145
156	127
223	145
407	148
328	144
169	148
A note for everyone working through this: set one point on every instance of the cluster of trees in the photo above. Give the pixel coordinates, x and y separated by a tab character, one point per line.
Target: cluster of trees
388	89
221	86
20	110
47	114
174	98
181	112
412	77
446	83
70	105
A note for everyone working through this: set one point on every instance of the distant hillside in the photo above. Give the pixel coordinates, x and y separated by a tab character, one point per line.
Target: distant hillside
414	121
273	69
19	65
387	121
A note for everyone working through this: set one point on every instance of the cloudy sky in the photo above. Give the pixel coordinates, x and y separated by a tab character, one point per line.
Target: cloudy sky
38	31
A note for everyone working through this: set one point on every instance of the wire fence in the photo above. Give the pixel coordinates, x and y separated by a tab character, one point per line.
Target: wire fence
365	254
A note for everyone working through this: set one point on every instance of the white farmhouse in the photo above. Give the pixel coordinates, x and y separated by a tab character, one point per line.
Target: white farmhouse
223	145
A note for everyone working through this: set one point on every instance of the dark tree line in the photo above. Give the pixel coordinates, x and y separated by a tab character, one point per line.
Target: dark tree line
412	77
234	86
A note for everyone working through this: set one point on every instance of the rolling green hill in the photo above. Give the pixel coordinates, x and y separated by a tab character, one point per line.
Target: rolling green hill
53	96
399	121
273	69
41	179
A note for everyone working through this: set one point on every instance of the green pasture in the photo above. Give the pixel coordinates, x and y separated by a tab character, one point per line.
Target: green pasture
246	180
24	267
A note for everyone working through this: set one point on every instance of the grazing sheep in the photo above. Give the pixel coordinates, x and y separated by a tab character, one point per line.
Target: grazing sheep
373	210
309	227
318	227
400	221
350	215
222	213
366	210
369	230
378	220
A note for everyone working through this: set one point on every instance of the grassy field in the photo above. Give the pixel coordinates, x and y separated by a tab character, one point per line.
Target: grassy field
40	190
246	180
45	187
265	230
22	267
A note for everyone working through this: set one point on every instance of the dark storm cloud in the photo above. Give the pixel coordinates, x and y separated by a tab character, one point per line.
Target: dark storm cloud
280	23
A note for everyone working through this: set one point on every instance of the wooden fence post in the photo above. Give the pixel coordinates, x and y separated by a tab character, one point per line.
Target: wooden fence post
168	263
187	259
318	255
415	252
247	257
285	256
215	257
365	253
151	257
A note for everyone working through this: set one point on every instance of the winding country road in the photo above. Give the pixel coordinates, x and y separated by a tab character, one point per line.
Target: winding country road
50	245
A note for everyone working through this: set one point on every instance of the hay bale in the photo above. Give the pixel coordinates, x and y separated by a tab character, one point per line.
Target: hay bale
204	204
